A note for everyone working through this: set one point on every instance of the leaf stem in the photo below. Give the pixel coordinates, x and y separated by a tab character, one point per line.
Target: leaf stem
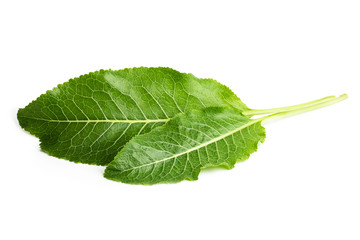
308	108
288	108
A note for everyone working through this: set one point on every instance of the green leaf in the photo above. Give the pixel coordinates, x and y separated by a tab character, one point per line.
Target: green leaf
90	118
191	141
187	143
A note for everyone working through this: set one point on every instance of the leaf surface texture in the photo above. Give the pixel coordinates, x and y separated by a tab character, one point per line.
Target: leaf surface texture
187	143
90	118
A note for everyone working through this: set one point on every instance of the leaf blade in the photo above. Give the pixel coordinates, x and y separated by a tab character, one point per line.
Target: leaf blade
183	146
90	118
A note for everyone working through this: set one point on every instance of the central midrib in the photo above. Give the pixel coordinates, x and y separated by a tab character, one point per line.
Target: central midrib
105	120
199	146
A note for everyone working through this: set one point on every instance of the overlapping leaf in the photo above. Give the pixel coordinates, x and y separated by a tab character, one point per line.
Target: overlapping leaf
187	143
90	118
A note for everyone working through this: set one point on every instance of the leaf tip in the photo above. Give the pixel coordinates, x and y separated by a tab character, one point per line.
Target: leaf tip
21	119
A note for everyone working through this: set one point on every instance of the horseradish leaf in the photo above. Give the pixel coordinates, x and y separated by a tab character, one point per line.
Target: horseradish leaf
90	118
195	140
187	143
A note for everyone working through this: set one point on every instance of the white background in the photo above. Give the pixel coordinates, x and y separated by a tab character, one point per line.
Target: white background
304	181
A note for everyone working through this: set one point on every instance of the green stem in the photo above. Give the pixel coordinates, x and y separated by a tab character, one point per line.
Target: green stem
302	110
285	109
